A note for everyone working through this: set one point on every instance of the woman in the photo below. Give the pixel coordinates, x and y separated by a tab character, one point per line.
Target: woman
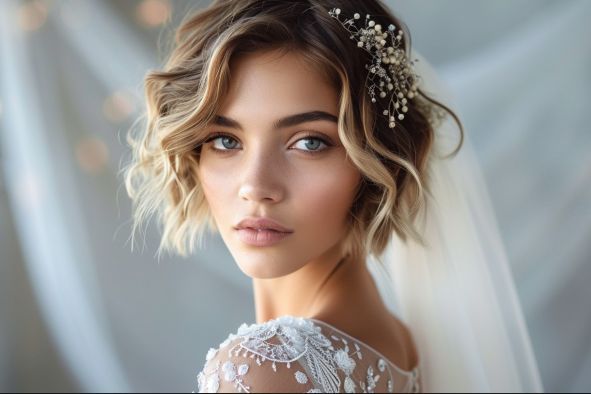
299	131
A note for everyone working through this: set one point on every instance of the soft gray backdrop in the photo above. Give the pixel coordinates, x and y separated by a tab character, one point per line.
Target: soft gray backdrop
80	312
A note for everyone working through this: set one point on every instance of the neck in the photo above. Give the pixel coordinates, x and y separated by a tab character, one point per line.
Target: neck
333	288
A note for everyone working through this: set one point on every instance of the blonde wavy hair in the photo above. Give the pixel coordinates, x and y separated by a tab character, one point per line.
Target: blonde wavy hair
183	98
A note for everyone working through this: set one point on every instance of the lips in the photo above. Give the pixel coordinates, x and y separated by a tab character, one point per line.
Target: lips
261	231
261	224
261	237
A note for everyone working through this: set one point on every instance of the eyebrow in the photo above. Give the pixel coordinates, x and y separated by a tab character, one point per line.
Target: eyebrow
288	121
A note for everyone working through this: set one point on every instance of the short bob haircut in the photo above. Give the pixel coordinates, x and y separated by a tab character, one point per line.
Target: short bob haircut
183	98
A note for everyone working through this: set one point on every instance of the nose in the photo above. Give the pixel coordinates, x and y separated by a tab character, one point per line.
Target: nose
262	177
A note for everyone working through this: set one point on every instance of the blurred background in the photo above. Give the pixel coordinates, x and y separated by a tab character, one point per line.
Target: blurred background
81	311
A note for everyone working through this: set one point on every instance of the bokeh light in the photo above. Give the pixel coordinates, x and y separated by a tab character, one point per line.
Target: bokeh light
92	155
153	13
32	15
119	106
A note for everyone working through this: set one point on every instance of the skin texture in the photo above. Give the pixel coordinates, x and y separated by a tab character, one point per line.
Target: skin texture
266	171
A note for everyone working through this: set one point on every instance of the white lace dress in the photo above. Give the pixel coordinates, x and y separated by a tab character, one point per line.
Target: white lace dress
296	354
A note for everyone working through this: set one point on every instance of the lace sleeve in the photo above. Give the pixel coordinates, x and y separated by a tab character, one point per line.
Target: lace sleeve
297	355
233	369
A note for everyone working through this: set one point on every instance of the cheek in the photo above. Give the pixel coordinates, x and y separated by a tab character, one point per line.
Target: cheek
216	186
325	198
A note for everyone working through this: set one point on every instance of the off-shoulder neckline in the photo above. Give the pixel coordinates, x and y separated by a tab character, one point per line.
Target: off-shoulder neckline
404	371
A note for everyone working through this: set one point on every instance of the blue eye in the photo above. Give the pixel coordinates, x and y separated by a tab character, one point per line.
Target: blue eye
228	143
313	143
224	139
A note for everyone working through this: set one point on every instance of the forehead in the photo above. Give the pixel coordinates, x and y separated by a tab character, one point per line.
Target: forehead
273	82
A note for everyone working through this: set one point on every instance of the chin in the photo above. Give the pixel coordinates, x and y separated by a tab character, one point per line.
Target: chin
258	267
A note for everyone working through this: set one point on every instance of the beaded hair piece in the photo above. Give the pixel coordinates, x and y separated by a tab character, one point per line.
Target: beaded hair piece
390	72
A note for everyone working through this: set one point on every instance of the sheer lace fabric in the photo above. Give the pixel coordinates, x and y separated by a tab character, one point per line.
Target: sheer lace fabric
295	354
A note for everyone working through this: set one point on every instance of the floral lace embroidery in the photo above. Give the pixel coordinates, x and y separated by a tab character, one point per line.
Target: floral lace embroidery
301	377
299	338
210	383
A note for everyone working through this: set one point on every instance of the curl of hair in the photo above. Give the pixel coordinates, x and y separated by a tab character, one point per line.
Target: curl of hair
183	98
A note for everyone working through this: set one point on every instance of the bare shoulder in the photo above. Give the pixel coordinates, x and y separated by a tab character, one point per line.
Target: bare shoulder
410	346
383	332
397	343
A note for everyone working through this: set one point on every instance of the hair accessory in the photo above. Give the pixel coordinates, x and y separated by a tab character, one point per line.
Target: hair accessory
390	72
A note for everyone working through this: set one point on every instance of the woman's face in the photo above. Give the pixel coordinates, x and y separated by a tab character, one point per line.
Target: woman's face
294	172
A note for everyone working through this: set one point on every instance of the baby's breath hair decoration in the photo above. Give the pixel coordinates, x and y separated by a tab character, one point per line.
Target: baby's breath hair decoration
390	72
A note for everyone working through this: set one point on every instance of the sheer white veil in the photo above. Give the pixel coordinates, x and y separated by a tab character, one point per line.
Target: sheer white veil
457	296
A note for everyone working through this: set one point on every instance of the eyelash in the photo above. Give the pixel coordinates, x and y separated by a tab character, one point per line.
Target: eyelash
305	137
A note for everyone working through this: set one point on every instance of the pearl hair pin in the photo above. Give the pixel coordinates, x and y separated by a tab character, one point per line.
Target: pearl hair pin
390	73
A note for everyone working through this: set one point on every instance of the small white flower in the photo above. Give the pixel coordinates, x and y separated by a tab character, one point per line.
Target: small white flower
349	385
213	383
201	380
242	369
229	371
243	329
294	335
301	377
346	363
